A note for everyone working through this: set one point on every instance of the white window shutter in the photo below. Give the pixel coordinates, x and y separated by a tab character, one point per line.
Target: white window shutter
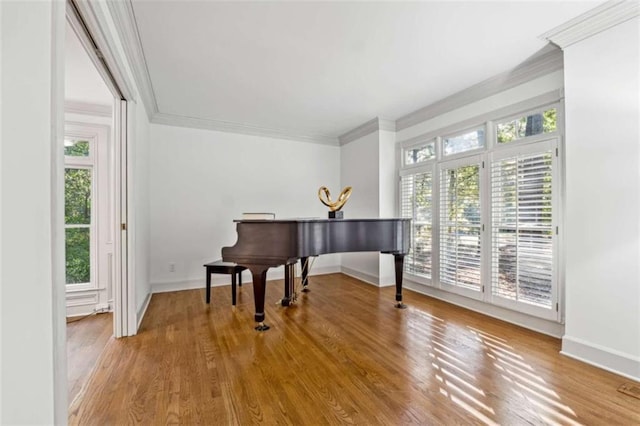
522	231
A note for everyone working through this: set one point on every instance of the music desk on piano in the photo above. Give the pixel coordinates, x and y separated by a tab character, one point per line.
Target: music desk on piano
263	244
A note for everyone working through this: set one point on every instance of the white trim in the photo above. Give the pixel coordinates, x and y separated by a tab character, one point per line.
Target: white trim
89	24
539	325
537	66
617	362
362	276
127	28
371	126
594	21
142	311
84	108
230	127
220	280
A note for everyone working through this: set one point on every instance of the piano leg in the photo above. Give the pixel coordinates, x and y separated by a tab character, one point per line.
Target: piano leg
399	265
304	276
259	274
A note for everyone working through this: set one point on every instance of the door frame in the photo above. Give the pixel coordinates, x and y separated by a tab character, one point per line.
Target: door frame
84	18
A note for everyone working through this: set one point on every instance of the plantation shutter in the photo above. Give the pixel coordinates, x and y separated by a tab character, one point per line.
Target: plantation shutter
460	242
416	204
522	246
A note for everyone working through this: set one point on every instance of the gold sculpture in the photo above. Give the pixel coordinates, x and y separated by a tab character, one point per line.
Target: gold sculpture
336	205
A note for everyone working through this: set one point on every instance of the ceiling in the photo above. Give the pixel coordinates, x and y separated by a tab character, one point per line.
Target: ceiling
324	68
82	83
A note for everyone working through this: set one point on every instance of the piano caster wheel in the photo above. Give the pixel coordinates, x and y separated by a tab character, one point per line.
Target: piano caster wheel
285	302
401	305
305	289
262	327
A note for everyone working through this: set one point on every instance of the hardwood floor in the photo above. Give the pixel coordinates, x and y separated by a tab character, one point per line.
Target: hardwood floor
86	339
342	355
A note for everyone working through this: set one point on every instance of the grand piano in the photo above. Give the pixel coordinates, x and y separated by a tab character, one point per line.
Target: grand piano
263	244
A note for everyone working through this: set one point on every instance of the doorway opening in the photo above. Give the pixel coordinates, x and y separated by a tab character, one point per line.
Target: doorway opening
95	205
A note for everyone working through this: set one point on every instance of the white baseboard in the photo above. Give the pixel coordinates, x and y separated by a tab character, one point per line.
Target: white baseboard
539	325
218	280
362	276
142	311
599	356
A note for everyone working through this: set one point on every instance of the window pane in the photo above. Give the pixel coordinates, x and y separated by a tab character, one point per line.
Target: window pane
417	204
77	255
465	142
529	125
76	148
460	227
420	154
522	229
77	196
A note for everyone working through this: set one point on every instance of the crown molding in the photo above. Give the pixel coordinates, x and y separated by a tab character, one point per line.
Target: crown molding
360	131
127	29
544	63
367	128
230	127
75	107
599	19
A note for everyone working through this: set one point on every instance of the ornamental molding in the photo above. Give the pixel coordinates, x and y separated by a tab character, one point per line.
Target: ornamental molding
592	22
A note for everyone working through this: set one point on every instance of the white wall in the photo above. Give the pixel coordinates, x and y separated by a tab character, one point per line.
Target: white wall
368	164
603	200
388	195
201	180
28	298
359	168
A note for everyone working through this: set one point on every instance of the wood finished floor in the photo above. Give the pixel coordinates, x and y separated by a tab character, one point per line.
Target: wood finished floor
86	339
342	355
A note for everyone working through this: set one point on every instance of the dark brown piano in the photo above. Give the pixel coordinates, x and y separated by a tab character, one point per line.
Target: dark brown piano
263	244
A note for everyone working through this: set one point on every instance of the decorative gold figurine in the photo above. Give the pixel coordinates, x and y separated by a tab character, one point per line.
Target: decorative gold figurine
336	205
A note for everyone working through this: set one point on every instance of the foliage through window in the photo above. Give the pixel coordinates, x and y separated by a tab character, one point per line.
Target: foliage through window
529	125
77	216
76	148
417	205
464	142
420	154
460	226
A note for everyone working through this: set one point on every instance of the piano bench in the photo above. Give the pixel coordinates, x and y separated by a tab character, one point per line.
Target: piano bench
220	267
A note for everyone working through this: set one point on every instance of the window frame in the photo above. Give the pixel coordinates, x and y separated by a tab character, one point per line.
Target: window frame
550	144
425	167
488	121
456	163
462	131
418	144
86	163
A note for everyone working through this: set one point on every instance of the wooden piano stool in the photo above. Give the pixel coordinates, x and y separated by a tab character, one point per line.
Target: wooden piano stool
220	267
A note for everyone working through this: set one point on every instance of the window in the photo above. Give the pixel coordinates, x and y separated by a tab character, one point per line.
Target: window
417	204
532	124
79	210
522	210
420	154
464	142
460	226
76	147
484	211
